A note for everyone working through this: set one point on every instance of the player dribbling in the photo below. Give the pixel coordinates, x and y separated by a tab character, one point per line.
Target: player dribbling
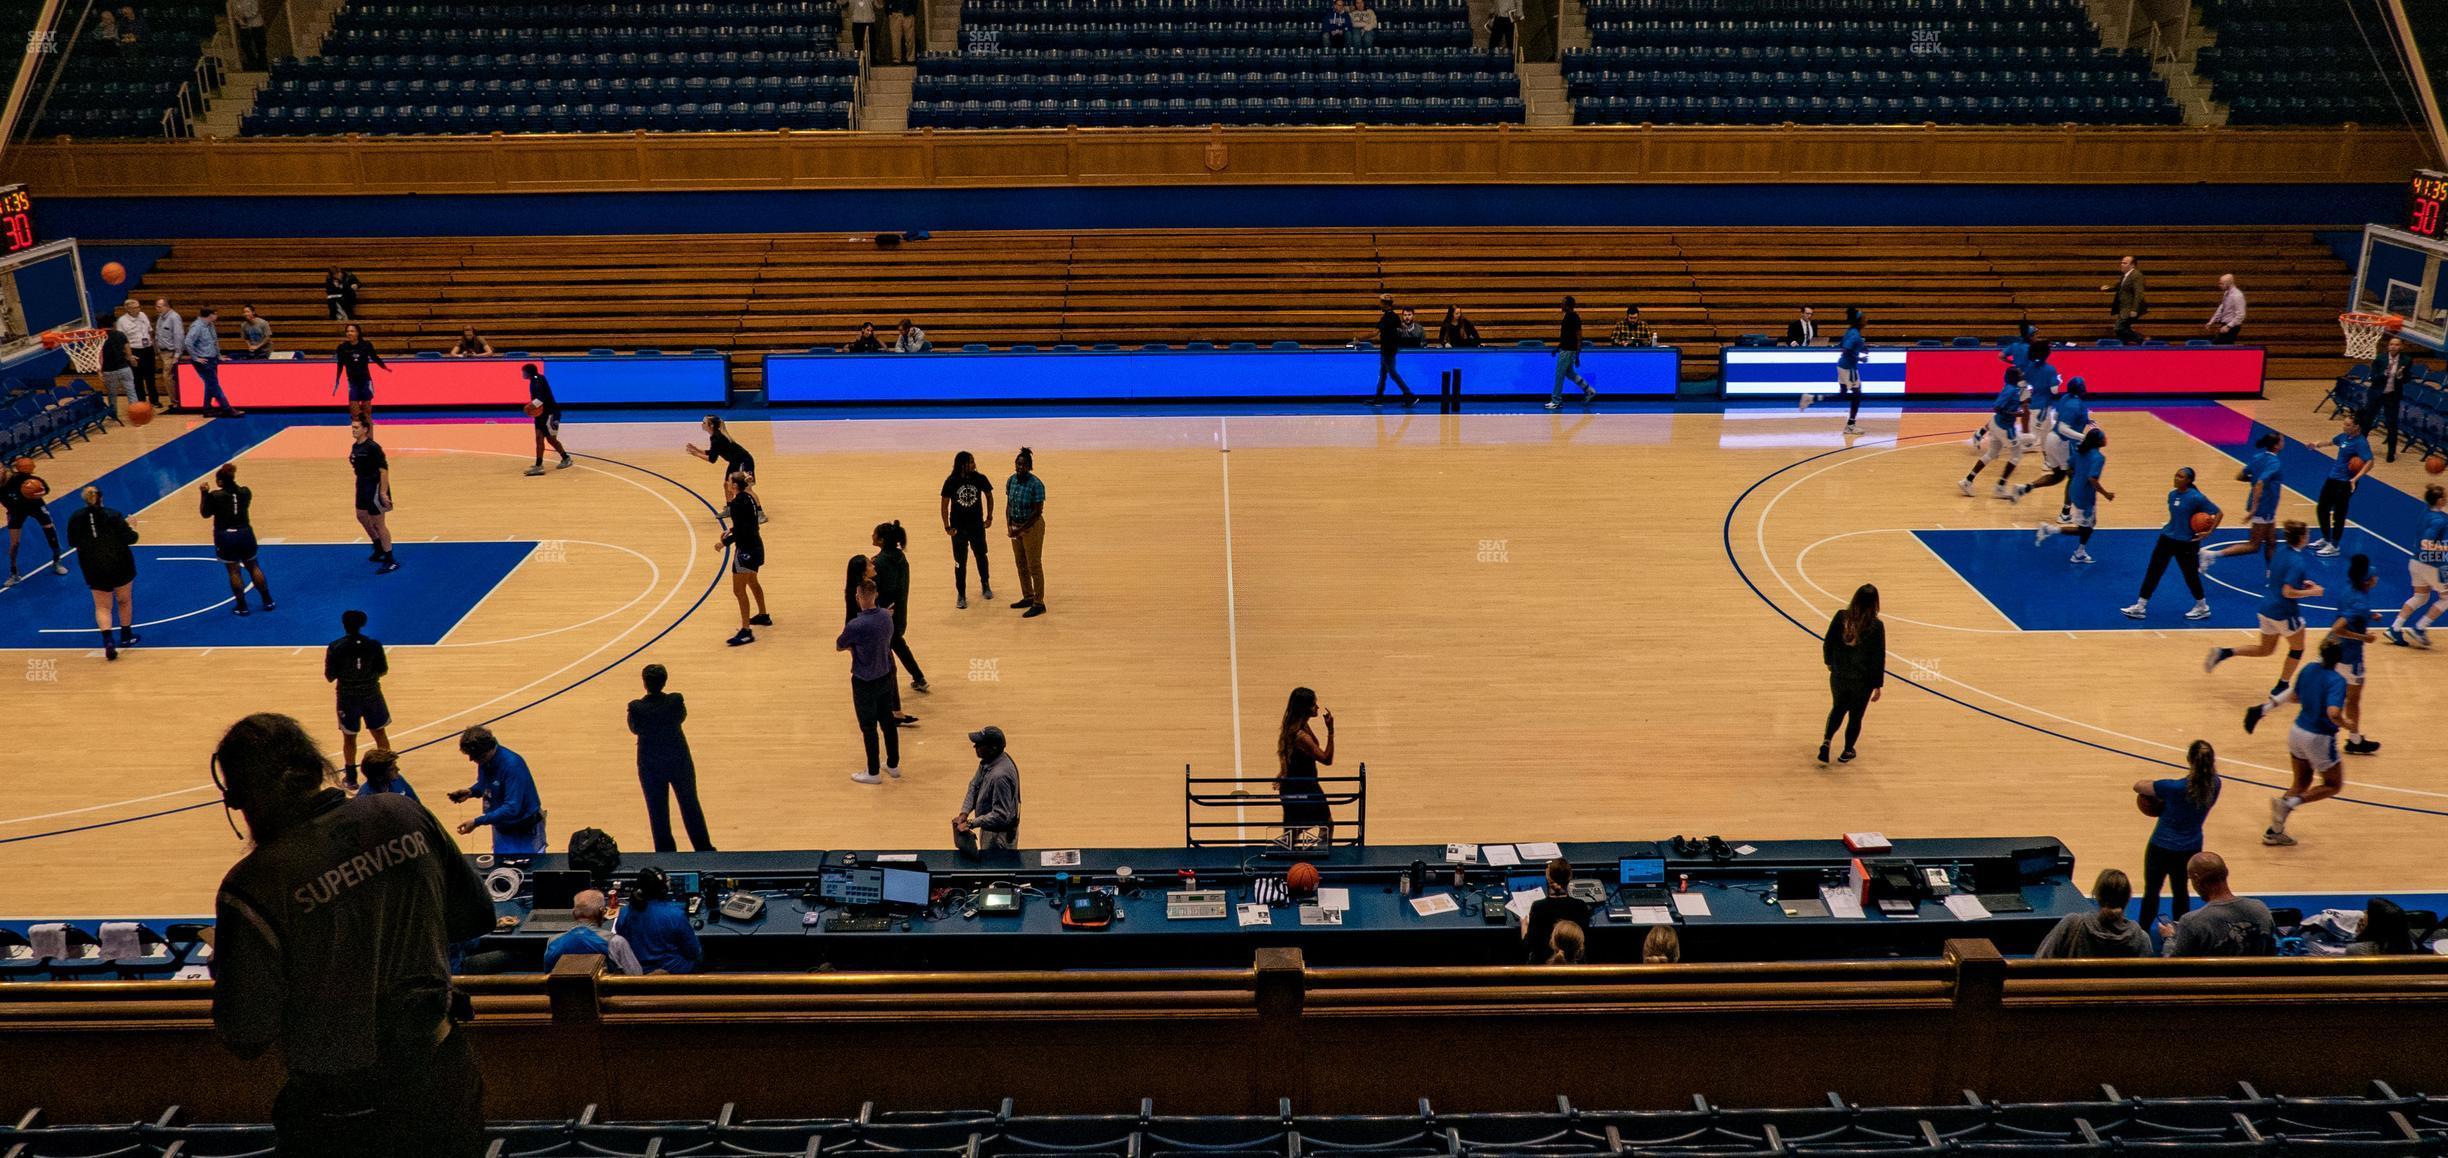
2312	744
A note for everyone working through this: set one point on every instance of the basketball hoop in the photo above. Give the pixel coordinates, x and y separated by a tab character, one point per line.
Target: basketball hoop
2363	332
84	347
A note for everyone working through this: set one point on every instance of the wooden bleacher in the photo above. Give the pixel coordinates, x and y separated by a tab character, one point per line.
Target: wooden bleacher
1700	288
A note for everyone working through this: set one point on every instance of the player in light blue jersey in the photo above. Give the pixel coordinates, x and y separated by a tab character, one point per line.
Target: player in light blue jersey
2009	412
2180	543
2083	493
2312	742
2352	630
2354	460
1851	351
2060	422
2289	580
2266	479
2430	558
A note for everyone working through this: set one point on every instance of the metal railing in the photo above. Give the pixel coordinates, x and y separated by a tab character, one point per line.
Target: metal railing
1255	803
194	96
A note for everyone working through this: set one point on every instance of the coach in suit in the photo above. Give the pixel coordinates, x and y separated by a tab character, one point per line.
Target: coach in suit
1802	331
2390	368
2132	298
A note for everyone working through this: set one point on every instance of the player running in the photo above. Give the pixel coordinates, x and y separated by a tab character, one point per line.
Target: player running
2267	476
2289	580
2008	413
2352	630
229	507
21	494
373	470
546	411
1851	350
2180	541
2430	558
2312	743
2063	422
2083	492
731	456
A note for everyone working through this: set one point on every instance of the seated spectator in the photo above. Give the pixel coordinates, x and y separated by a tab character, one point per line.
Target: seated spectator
1363	25
2104	932
1663	946
591	937
106	31
471	345
912	340
2226	925
656	925
1567	945
1411	334
2386	931
131	26
1338	25
1631	331
1559	906
866	342
381	771
1456	332
256	332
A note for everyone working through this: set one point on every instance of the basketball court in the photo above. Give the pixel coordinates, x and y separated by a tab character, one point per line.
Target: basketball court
1528	626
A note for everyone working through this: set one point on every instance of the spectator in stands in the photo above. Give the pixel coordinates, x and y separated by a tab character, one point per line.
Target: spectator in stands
1855	651
248	18
2103	932
1803	330
1663	946
1338	26
2181	806
330	941
1632	331
106	31
1298	756
1505	14
1457	332
1567	944
590	937
901	26
138	330
1414	335
862	26
508	790
2386	932
116	374
340	293
1389	340
1363	25
169	345
989	816
132	26
655	922
203	348
665	768
2227	322
382	774
2390	370
256	332
471	345
866	342
911	339
1568	358
2131	299
2226	925
1559	906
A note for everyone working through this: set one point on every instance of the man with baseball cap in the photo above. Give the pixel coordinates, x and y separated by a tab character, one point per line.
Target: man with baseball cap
990	813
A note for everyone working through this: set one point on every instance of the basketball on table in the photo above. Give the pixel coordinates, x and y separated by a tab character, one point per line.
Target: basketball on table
114	273
140	413
2436	464
2203	522
1302	878
535	406
2150	805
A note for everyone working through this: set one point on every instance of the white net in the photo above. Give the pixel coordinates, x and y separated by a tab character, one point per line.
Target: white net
2364	331
84	349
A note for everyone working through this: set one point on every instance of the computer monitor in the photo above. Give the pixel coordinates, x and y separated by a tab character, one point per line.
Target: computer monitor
558	888
905	888
1996	874
1640	870
856	887
686	884
1525	884
1799	884
2036	863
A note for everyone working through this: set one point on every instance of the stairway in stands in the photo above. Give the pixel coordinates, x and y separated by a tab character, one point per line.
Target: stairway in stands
2173	39
1544	99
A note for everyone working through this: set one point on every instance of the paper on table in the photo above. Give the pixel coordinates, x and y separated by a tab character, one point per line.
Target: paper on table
1539	850
1313	915
1499	854
1842	904
1058	858
1691	904
896	858
1435	903
1745	849
1519	906
1461	854
1335	899
1254	915
1967	907
1650	915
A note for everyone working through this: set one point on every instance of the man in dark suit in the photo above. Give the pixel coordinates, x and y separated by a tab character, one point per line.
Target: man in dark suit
2389	370
1802	331
2131	300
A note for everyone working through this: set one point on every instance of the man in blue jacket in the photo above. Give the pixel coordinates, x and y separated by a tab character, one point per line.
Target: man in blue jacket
509	795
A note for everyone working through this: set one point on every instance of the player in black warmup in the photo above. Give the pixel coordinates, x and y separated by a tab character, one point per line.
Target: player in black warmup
968	509
355	360
547	414
355	665
228	506
747	555
22	507
730	456
373	472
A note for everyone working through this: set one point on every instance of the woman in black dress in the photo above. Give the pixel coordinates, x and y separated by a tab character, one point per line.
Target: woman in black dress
1855	651
101	538
228	507
1298	756
863	570
747	555
729	455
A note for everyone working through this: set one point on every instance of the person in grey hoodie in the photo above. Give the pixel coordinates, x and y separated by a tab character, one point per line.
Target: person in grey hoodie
990	813
2106	932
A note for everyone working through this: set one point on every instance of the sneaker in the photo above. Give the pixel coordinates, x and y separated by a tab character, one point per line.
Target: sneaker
2012	494
13	580
1852	429
2140	608
2279	809
2200	610
129	638
1589	394
2395	636
893	772
565	463
2275	838
2081	556
535	470
2252	718
1035	610
388	566
985	592
760	619
2327	551
741	637
240	609
2218	655
1409	401
1806	400
1823	753
2207	557
2278	689
1845	757
109	651
2362	747
866	778
2041	534
920	687
961	604
1966	487
2422	635
1999	491
1552	405
2066	517
1024	602
271	606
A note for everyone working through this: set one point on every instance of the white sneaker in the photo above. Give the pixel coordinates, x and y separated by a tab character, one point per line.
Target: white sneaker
2200	610
2012	494
2276	838
2279	810
2081	556
866	778
2210	662
2040	535
892	771
2328	551
1852	429
1999	491
2066	517
1806	401
1966	487
1553	406
2140	608
58	568
2207	556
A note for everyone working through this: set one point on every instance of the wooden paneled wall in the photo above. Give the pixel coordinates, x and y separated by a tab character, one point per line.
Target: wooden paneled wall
1337	155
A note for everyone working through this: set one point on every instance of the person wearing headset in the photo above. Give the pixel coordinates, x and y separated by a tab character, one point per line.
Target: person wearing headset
330	941
657	926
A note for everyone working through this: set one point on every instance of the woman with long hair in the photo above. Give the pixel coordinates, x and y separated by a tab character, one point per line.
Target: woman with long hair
725	453
861	571
747	556
355	360
892	576
2386	932
101	538
1663	946
1855	651
228	505
1457	332
1298	756
1568	944
2181	806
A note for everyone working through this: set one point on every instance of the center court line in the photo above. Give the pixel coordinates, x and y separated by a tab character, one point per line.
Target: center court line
1232	617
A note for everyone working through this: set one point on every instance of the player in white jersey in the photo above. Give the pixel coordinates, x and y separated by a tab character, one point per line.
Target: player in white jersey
2430	559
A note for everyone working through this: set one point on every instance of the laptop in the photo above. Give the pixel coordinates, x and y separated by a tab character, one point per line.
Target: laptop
1640	882
1999	883
1798	893
554	890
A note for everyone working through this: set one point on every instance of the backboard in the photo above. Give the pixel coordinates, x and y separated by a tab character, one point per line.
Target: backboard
2400	273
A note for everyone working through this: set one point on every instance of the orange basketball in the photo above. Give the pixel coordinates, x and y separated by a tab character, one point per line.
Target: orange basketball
534	407
2150	805
1303	877
2355	464
22	464
33	488
140	413
113	272
2436	464
51	340
2203	522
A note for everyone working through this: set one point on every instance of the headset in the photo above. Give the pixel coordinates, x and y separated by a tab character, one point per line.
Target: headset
654	884
230	801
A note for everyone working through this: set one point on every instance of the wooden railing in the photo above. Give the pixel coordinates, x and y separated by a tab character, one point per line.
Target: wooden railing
1190	156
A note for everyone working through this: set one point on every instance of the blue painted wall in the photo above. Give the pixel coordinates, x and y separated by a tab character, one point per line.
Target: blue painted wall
1241	206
